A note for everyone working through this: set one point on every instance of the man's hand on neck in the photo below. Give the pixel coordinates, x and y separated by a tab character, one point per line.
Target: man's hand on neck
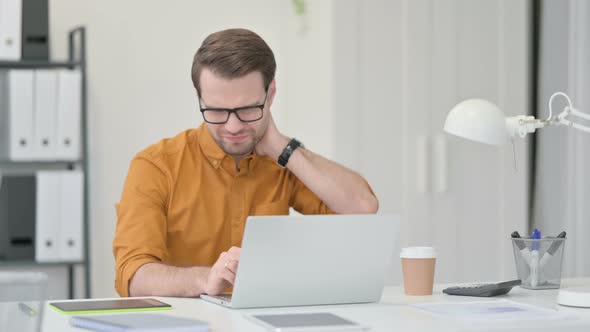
273	142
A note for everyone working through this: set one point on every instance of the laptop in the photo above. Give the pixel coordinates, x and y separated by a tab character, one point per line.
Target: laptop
312	260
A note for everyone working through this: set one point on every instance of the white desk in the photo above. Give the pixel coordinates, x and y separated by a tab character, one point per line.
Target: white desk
392	313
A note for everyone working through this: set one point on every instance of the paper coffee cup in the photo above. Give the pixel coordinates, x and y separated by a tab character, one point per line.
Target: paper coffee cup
418	269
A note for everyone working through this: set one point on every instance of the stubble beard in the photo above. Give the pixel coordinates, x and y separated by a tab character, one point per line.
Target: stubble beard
238	150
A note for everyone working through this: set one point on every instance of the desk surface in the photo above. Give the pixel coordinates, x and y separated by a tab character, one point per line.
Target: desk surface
391	313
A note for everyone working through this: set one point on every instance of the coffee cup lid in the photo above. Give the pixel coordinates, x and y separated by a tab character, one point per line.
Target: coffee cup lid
418	252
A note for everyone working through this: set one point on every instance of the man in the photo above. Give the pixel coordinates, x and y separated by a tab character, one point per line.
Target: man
185	200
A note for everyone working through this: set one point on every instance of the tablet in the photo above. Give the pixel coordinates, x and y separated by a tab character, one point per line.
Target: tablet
301	322
100	306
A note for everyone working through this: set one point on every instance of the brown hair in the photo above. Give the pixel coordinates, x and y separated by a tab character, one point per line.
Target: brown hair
234	53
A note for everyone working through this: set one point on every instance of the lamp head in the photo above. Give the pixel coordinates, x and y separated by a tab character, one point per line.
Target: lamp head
478	120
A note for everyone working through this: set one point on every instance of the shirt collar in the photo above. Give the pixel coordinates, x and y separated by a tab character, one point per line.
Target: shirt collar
211	150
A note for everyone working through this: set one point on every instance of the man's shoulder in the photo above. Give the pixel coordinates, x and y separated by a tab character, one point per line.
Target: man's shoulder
168	148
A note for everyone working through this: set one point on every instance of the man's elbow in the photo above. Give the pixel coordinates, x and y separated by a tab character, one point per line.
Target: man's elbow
369	205
373	205
137	283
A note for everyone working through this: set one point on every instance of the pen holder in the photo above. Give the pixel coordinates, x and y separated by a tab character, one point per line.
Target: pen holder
538	262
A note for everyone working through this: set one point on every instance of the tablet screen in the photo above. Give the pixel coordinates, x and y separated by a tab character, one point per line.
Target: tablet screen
311	320
111	305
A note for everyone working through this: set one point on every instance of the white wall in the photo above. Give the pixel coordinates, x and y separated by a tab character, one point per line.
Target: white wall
139	59
562	185
414	60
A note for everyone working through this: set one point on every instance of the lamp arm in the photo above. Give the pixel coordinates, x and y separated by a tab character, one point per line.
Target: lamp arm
561	119
582	115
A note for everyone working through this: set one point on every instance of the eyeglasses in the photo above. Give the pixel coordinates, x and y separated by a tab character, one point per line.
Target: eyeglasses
244	114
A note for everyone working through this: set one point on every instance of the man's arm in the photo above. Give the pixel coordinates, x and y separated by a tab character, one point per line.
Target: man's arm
159	279
140	240
341	189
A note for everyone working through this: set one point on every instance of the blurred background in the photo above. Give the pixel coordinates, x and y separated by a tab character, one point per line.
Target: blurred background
367	84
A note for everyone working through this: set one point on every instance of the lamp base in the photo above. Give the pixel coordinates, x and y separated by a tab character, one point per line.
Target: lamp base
574	297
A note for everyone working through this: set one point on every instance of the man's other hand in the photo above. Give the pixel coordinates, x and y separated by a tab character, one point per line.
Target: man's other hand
273	142
223	273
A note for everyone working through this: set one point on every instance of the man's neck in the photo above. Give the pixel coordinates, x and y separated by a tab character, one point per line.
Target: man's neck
237	159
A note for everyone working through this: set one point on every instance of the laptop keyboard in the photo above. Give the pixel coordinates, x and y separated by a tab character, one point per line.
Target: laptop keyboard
224	297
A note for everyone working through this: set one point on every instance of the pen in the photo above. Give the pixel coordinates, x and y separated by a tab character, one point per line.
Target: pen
536	236
552	249
535	258
27	310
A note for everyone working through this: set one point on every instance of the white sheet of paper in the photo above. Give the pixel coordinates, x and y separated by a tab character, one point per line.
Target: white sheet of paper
500	310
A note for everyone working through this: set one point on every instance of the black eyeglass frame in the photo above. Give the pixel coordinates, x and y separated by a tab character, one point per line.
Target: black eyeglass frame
229	111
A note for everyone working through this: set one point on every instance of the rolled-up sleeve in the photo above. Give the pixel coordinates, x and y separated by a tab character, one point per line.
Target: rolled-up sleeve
304	201
140	235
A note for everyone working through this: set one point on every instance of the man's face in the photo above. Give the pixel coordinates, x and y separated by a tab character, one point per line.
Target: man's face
235	137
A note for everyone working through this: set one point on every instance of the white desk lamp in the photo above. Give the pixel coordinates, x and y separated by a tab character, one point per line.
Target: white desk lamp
481	121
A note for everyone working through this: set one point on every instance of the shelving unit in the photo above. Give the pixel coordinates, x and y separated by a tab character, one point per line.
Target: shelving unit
76	60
